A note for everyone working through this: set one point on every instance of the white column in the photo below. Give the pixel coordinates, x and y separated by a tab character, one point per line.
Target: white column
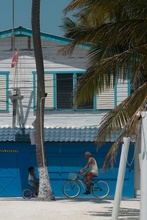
120	178
143	201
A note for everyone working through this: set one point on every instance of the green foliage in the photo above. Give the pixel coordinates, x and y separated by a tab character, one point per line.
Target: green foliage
117	33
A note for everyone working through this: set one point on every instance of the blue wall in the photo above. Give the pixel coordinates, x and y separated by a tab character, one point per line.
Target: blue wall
62	158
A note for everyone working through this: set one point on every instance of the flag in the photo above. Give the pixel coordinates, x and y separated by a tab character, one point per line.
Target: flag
14	60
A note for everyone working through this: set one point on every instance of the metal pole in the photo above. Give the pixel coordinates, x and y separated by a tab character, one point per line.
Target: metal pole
13	41
143	198
14	113
13	47
120	178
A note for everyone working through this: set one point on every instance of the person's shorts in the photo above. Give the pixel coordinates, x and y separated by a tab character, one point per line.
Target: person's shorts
90	174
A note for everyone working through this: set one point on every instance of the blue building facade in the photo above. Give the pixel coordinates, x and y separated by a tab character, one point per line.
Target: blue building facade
62	158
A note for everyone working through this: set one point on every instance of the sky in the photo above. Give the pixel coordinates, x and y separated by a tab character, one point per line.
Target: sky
51	15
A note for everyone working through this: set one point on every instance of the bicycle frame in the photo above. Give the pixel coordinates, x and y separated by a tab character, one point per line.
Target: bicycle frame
82	183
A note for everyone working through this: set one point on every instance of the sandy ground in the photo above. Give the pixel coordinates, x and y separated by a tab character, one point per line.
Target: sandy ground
66	209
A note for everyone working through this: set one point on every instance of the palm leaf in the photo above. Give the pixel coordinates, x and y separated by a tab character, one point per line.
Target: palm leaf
116	31
114	122
101	71
111	8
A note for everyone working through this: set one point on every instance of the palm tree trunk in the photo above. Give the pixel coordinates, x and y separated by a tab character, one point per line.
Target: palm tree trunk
45	191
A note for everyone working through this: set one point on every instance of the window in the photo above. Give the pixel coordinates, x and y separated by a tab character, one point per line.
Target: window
60	86
64	90
65	84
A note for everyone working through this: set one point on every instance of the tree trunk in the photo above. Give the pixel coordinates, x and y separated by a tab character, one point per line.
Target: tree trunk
45	191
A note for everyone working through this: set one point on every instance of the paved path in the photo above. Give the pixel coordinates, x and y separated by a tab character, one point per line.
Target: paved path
66	209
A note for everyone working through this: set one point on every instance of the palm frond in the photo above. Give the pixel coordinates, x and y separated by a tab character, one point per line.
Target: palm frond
112	153
101	70
113	122
74	4
113	9
128	32
119	117
116	31
68	49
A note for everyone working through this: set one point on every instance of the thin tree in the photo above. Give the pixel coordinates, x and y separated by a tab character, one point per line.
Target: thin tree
116	30
45	190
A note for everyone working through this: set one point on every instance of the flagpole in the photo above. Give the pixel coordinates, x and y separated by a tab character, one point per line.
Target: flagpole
13	41
13	47
13	28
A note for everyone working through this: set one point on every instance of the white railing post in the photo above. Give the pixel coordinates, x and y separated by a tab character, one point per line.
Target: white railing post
120	178
143	198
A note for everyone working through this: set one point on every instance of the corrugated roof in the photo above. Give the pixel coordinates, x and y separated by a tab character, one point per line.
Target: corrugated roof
51	134
54	134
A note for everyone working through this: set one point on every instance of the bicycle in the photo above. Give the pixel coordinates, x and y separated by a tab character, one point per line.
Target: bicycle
72	187
27	193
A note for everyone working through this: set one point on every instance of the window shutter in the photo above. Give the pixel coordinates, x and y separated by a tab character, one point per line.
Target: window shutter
3	93
105	100
89	103
64	91
122	90
49	89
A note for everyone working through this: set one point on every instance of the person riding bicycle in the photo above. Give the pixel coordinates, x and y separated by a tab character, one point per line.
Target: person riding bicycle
92	165
33	181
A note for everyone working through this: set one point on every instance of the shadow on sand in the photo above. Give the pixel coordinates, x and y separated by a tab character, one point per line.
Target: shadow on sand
124	213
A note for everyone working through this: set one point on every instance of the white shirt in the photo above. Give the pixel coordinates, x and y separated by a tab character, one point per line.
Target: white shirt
94	168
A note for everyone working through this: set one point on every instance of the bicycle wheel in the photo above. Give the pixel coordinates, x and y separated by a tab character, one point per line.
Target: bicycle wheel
71	189
100	189
27	193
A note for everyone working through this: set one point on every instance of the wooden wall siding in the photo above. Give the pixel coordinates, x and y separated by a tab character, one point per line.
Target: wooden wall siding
53	62
50	53
49	89
122	90
5	45
113	96
3	93
105	100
